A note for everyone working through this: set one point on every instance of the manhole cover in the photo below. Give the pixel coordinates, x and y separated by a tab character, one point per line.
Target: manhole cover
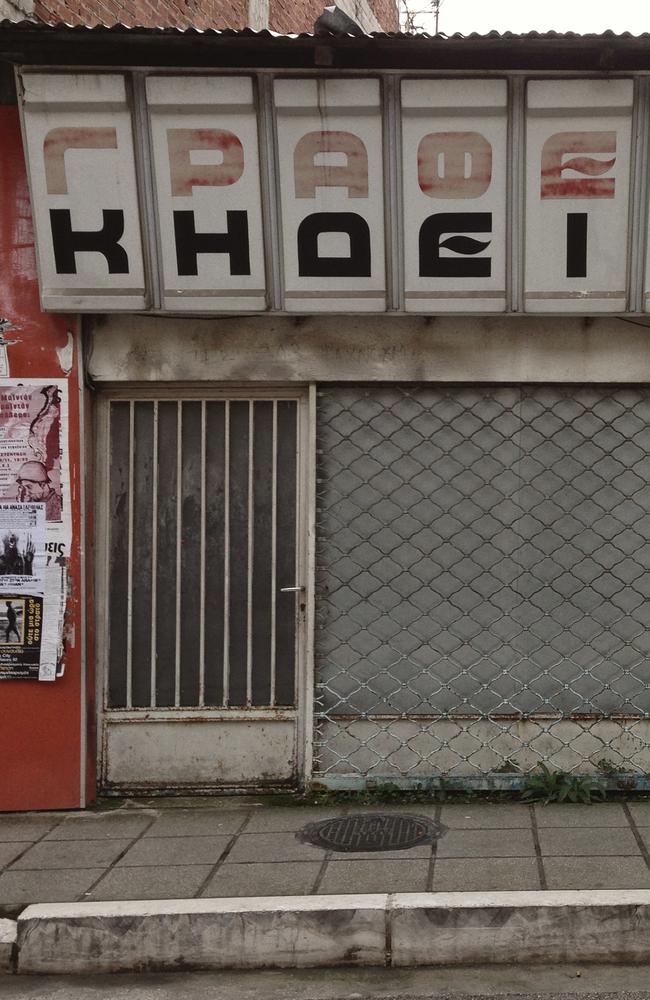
371	832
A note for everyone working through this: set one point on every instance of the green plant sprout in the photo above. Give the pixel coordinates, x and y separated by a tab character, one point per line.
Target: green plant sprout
558	786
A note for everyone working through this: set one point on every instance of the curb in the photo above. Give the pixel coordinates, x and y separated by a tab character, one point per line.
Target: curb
398	930
8	932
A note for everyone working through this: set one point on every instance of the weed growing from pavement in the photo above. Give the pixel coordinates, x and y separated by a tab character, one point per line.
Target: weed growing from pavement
557	786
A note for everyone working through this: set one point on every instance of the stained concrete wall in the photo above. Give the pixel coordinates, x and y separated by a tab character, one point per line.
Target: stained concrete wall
367	348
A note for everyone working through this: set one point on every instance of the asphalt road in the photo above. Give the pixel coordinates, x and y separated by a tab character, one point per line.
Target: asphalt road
579	982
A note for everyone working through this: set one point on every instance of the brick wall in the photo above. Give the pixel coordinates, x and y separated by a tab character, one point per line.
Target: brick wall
284	15
299	15
146	13
386	13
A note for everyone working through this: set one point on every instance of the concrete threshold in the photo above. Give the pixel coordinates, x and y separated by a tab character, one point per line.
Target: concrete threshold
392	930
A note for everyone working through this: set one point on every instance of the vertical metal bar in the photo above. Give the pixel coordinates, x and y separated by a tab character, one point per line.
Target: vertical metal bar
179	542
202	569
144	170
129	584
249	582
226	557
306	531
638	205
154	552
393	215
83	693
515	195
104	524
274	539
270	186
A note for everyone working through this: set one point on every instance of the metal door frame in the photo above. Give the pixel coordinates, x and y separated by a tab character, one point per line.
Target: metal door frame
302	715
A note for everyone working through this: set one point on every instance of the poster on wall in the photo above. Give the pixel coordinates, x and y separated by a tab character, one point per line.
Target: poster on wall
22	565
34	527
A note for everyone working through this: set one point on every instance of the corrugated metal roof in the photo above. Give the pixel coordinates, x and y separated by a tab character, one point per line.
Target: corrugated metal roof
29	25
31	43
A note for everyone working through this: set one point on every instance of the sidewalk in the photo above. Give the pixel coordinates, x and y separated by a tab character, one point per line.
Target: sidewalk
235	847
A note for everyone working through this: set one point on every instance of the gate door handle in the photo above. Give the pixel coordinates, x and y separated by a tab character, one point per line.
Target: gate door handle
291	590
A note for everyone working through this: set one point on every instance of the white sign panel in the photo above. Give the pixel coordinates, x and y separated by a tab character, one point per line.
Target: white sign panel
454	145
84	194
232	192
577	184
331	194
206	163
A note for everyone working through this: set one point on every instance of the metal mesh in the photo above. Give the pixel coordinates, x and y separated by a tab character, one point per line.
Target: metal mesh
482	585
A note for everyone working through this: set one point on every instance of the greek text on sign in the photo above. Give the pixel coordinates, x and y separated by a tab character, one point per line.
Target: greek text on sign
300	202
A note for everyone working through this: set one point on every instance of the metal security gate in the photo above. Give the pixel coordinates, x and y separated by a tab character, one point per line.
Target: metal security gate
483	583
202	514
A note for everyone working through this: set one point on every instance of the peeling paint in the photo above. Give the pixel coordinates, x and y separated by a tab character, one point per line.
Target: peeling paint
7	327
65	354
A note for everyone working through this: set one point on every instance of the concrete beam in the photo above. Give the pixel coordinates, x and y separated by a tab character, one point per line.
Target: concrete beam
497	349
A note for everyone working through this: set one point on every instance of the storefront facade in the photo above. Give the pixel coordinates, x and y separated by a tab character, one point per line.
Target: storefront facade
359	466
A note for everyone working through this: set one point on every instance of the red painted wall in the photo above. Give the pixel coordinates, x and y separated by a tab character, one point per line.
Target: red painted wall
40	722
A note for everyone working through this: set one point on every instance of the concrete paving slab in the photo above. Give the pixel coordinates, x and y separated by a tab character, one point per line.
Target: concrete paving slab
485	874
477	834
154	851
487	844
267	932
19	888
273	847
10	851
644	833
271	820
197	823
169	803
640	813
421	851
26	826
169	882
569	841
289	878
375	876
97	826
564	814
597	873
477	817
416	808
56	854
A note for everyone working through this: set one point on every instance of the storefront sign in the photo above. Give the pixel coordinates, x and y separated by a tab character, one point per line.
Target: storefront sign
333	195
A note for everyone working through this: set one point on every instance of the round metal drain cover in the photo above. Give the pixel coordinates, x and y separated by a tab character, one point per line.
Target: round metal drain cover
371	832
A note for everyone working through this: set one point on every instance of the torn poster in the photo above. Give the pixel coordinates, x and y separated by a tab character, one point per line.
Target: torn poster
5	327
22	588
34	527
30	446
